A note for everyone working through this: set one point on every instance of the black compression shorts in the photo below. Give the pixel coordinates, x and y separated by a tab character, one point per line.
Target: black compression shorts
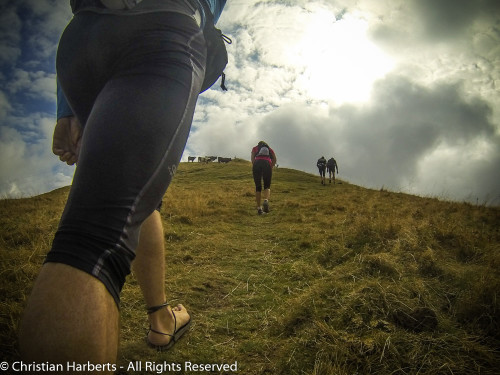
133	82
262	171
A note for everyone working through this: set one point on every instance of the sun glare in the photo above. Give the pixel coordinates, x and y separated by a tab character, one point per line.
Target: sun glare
337	60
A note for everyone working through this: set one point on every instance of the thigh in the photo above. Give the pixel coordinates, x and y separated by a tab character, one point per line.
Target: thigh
257	173
267	175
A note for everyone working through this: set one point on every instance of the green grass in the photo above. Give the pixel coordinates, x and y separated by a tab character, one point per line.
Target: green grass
335	280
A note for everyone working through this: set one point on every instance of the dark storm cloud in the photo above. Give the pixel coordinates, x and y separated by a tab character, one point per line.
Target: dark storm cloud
10	26
448	19
385	142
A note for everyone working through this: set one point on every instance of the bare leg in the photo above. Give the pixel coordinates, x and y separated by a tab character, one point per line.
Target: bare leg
266	194
70	316
149	269
258	197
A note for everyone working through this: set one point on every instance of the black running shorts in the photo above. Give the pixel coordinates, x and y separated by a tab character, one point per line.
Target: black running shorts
262	171
133	82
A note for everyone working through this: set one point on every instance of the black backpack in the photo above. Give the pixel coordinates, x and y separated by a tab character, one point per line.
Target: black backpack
216	51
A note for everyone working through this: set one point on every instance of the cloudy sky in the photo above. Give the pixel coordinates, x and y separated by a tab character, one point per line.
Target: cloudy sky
405	94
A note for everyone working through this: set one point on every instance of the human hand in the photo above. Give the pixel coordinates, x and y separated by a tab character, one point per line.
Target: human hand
67	139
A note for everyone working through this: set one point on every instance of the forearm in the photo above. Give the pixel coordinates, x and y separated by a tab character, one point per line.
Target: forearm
63	108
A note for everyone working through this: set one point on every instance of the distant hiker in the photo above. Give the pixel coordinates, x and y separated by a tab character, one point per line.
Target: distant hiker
132	79
321	164
263	160
331	166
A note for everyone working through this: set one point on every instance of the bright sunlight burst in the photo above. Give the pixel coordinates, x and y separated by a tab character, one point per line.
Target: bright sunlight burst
337	59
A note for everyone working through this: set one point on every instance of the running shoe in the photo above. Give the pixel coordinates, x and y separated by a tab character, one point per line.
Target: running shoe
266	206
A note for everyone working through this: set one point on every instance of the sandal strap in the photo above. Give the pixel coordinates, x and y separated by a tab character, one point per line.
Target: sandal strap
154	309
160	333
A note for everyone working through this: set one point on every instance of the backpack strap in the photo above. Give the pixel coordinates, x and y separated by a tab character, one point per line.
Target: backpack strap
216	49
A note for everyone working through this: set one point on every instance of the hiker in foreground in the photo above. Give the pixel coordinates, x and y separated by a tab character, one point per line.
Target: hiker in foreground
263	160
321	164
331	166
149	263
132	79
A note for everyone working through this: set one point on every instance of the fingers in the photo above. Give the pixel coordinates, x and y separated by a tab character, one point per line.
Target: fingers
66	157
66	140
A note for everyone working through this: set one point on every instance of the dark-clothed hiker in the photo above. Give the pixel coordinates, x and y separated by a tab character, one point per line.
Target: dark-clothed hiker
131	72
321	164
331	166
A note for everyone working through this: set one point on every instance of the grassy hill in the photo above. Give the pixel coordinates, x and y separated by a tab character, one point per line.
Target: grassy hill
337	279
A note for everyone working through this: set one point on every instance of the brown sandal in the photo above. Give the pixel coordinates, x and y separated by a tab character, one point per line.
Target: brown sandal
177	332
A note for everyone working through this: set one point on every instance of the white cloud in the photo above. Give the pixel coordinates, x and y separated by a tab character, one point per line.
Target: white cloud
36	84
27	165
48	20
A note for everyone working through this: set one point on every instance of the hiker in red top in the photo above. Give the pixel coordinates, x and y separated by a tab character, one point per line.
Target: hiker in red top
263	160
